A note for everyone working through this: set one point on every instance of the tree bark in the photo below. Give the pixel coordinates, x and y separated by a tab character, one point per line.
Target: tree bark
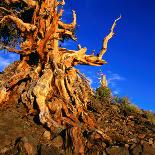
46	76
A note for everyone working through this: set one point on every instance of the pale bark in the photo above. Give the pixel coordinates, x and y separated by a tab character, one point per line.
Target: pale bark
30	3
107	38
71	25
23	27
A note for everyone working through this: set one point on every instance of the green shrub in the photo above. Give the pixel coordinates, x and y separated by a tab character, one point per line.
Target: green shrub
104	94
131	108
150	116
121	100
126	104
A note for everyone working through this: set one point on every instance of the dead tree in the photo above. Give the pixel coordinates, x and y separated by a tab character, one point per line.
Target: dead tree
45	75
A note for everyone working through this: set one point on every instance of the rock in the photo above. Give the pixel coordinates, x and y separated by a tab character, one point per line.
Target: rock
26	146
45	150
148	149
47	135
116	150
137	150
132	146
104	153
57	142
151	141
6	150
3	95
133	140
141	136
103	145
127	146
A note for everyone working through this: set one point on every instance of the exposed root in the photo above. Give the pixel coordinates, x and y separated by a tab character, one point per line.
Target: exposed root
45	79
61	101
4	95
41	91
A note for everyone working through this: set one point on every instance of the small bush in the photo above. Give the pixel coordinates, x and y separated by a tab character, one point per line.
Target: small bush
132	108
104	94
126	104
123	100
150	116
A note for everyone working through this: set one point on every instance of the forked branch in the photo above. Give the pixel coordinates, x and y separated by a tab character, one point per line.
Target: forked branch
80	57
107	38
23	27
74	58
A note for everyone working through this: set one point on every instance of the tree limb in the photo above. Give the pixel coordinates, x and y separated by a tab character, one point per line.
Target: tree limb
61	3
94	61
23	27
107	38
69	26
64	32
12	50
30	3
61	13
47	36
4	9
79	57
11	1
16	51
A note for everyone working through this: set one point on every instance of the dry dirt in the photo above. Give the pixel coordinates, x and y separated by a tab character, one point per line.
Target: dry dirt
131	133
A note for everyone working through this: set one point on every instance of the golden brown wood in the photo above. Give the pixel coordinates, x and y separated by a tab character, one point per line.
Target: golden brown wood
46	76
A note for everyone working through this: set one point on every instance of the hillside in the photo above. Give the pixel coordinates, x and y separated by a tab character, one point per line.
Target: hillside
127	129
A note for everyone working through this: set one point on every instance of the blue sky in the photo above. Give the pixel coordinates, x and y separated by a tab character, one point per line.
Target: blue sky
131	53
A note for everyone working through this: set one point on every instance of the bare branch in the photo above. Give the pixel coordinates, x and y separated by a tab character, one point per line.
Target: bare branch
69	26
16	51
4	9
94	61
107	38
61	13
12	49
79	46
11	1
72	58
30	3
23	27
64	32
82	58
61	3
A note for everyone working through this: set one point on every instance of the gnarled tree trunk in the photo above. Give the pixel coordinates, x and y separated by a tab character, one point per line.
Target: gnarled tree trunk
45	76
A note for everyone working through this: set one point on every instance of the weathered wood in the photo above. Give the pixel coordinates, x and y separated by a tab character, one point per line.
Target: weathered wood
46	76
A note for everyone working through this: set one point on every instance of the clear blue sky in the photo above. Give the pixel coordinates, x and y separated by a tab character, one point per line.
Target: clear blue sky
131	53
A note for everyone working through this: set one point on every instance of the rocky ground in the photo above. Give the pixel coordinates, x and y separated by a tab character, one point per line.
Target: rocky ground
21	135
132	131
